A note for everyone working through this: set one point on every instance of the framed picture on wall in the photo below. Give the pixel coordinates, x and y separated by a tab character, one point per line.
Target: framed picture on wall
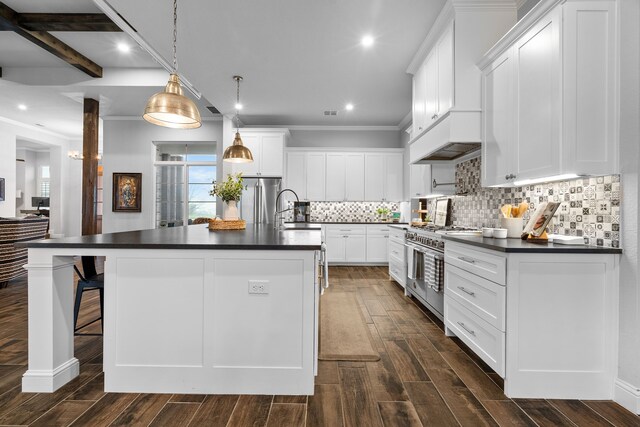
1	189
127	192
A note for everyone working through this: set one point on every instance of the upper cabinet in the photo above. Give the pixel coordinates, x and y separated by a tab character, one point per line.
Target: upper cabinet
346	176
549	95
267	148
446	82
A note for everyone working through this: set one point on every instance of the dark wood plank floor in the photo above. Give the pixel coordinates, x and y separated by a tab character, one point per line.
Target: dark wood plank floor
422	379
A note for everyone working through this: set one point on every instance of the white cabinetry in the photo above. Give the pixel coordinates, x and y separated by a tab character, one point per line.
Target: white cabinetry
397	256
357	243
267	148
346	176
545	322
419	179
549	95
378	243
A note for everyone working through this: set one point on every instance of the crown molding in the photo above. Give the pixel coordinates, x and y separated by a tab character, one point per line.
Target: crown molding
33	128
341	128
406	121
444	17
486	4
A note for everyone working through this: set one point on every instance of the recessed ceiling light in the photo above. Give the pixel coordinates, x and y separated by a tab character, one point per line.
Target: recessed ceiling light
22	107
349	107
367	41
238	106
124	48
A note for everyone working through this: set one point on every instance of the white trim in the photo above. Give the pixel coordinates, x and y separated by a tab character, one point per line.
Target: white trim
406	121
136	118
340	128
445	16
33	127
522	26
486	4
124	26
627	395
344	149
49	381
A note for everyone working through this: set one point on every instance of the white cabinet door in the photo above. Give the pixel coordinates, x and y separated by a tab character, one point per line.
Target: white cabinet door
431	93
445	71
336	179
374	176
377	248
272	159
355	248
419	100
253	143
420	177
589	64
394	177
498	120
316	169
296	174
335	248
537	149
354	177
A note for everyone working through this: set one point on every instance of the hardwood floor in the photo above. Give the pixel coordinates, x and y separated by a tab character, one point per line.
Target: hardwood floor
422	379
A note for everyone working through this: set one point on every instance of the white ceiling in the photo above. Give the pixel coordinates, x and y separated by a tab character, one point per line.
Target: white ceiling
298	57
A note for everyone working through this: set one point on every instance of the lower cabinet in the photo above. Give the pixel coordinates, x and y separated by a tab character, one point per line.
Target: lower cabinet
357	243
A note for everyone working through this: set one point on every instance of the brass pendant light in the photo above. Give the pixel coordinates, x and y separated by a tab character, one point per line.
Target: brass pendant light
170	108
237	152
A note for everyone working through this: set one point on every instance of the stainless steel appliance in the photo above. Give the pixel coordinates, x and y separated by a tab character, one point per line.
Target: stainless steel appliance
422	244
258	201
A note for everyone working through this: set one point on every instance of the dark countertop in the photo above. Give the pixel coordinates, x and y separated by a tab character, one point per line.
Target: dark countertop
256	237
353	222
522	246
400	225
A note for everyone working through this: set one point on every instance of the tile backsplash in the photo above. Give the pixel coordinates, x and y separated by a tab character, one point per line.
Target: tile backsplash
590	207
345	211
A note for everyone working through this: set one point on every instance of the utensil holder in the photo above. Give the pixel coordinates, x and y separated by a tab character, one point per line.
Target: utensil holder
514	227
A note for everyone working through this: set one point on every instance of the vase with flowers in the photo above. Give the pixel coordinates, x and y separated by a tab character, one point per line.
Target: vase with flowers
230	191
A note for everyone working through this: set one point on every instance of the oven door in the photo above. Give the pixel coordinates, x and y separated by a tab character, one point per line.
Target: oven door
416	284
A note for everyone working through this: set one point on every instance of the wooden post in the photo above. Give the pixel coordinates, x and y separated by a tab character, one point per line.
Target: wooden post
90	166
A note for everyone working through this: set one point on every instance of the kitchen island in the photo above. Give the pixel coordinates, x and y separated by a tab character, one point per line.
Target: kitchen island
186	310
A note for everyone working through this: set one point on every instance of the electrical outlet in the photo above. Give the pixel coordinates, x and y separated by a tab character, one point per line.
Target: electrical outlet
258	286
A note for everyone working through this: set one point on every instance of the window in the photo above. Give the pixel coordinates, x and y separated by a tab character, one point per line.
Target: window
44	181
184	174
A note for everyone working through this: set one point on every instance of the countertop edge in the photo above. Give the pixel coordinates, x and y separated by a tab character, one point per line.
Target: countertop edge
53	245
555	249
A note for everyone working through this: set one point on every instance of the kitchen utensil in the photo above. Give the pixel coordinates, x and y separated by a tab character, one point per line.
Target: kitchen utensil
487	232
506	211
513	226
500	233
522	208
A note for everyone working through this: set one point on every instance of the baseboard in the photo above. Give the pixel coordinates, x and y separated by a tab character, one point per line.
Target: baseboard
39	381
627	396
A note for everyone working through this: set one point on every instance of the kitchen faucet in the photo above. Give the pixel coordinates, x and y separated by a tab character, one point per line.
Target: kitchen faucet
276	223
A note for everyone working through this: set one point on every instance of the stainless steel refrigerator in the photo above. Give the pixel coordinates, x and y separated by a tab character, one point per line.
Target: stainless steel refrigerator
258	203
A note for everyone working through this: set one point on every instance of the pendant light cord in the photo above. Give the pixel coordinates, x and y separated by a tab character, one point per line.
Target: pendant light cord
175	36
237	103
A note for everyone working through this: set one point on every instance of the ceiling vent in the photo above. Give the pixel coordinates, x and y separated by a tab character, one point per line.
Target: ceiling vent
213	110
330	112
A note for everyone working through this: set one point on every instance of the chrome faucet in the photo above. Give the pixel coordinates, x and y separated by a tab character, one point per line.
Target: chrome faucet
277	224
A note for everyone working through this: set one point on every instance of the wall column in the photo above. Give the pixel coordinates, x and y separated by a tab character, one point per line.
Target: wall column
90	166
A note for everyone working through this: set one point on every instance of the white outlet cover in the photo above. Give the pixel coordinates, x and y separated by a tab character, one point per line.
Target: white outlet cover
258	286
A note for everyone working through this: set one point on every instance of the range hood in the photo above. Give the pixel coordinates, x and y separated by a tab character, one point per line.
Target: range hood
454	135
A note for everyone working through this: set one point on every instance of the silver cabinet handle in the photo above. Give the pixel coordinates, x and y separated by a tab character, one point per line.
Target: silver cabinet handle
466	291
465	259
466	329
506	177
346	237
386	237
420	128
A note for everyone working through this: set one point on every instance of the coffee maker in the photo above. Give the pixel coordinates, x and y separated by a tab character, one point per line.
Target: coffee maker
301	211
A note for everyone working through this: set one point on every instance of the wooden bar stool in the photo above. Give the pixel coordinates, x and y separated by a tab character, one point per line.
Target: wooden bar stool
90	281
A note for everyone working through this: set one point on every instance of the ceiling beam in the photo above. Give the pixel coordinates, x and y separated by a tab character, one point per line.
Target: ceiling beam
67	22
10	21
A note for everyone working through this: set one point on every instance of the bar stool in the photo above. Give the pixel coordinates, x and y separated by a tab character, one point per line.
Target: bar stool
90	281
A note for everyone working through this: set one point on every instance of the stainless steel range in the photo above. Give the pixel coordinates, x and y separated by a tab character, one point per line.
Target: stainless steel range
425	251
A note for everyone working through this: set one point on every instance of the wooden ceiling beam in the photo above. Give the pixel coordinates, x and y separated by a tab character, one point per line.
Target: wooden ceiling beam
10	21
98	22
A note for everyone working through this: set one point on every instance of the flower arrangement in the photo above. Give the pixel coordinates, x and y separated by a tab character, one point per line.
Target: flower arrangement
230	189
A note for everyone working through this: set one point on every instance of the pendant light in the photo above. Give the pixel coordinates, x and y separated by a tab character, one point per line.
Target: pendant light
237	152
170	108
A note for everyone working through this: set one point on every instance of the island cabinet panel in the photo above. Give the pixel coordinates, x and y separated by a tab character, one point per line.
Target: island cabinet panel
214	321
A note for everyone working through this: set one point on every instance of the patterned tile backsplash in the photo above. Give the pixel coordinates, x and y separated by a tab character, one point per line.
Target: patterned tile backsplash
590	207
345	211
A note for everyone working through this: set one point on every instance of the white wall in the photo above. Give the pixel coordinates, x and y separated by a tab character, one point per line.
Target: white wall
65	212
128	147
346	138
629	349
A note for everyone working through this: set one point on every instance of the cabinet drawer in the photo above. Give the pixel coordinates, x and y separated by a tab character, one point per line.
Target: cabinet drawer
378	230
397	250
485	340
397	270
346	229
491	267
481	296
